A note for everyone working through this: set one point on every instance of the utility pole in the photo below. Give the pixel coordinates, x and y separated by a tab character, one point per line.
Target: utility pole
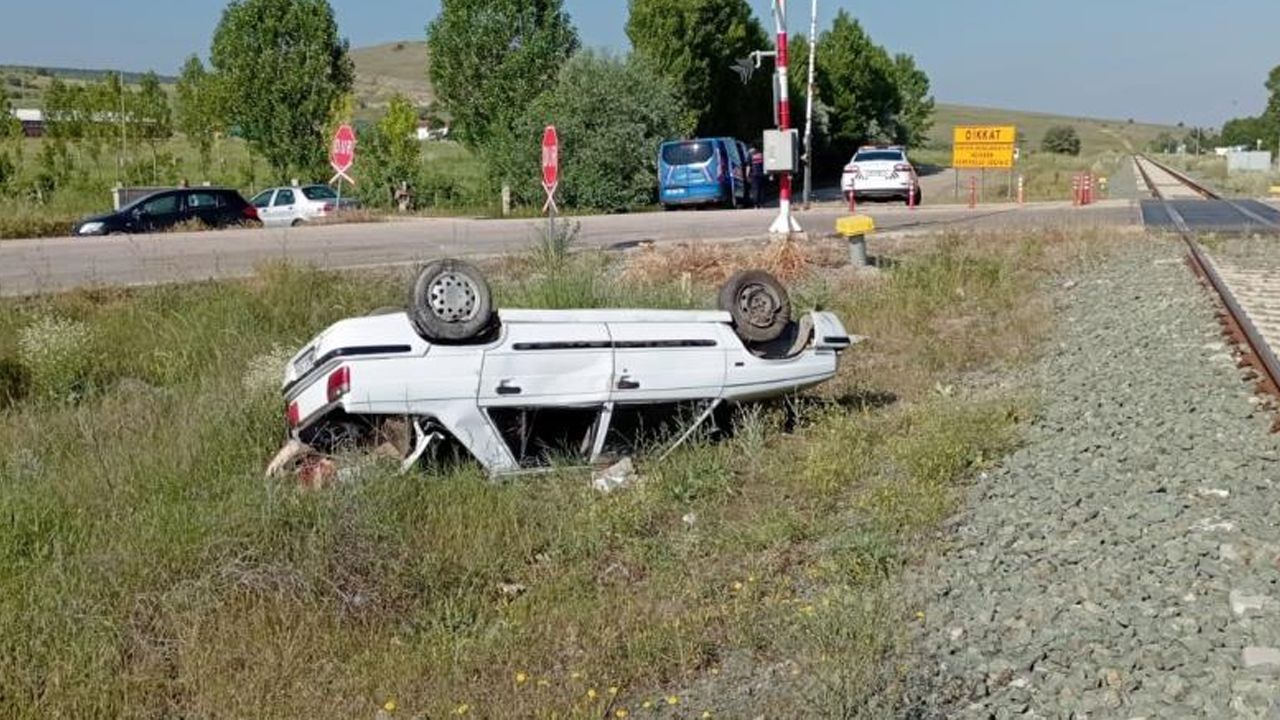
785	224
808	113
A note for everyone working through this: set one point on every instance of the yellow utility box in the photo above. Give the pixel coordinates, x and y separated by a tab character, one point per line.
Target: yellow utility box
855	229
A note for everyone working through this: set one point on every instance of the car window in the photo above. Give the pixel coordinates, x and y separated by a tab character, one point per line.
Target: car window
319	192
203	200
694	152
163	205
283	198
262	199
879	156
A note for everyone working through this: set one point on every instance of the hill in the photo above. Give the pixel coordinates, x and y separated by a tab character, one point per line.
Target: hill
1096	135
384	70
26	84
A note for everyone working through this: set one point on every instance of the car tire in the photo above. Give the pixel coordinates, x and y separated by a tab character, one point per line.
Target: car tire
450	303
296	223
759	305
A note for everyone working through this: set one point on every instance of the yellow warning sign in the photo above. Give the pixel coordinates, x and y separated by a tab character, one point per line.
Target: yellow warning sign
984	146
992	134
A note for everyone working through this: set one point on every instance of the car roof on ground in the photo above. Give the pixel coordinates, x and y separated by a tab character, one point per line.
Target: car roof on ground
614	316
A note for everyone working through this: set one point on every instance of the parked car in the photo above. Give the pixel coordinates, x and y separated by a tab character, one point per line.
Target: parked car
516	389
881	173
704	171
212	207
293	206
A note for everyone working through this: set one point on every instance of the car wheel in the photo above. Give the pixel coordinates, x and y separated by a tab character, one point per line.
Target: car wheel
759	305
296	223
450	302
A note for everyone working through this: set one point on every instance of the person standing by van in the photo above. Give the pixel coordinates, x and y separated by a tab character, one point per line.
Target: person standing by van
757	177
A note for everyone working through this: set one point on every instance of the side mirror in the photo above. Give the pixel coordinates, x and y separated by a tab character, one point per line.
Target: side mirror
136	213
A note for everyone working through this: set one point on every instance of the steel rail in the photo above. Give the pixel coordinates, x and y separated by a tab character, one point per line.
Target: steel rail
1264	357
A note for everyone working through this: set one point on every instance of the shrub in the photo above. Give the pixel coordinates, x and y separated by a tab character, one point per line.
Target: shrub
611	115
1061	140
56	354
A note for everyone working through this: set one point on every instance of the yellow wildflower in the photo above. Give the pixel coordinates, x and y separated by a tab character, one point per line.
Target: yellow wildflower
591	694
544	683
521	678
737	586
620	713
648	705
673	700
706	715
575	675
919	616
389	706
463	709
613	690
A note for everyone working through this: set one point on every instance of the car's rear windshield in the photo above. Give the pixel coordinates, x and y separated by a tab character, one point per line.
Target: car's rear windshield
319	192
879	156
687	153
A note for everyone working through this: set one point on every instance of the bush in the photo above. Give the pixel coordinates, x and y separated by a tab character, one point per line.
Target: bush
611	115
1061	140
56	355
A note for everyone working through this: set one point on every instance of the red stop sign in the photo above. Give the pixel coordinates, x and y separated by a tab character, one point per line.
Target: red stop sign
550	158
342	153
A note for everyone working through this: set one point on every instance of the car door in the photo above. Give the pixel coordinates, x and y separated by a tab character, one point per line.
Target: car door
548	365
160	212
666	362
204	206
262	203
284	207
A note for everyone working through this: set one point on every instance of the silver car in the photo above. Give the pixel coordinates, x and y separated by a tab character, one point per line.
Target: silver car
293	206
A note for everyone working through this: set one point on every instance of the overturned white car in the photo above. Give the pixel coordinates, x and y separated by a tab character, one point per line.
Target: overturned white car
523	389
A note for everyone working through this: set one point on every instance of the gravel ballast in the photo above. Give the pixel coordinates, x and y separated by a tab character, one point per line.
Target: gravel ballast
1125	562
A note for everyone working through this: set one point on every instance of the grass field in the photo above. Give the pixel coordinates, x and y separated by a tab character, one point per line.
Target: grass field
149	571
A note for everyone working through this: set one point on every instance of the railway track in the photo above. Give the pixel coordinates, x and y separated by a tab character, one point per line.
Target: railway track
1249	295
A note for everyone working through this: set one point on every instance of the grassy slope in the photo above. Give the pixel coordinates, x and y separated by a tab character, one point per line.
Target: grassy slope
146	570
1096	135
383	70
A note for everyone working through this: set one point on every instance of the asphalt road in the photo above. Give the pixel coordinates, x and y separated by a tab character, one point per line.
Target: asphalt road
29	267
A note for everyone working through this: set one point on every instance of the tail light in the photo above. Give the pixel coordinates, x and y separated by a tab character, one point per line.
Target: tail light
250	212
339	383
294	415
902	168
857	171
328	208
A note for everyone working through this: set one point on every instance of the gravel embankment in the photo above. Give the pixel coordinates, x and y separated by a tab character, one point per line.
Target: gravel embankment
1126	561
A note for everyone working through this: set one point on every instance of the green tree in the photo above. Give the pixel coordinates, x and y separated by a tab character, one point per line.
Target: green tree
1246	131
282	65
611	115
1165	142
152	117
10	127
490	59
392	154
859	81
1061	140
694	44
197	113
915	117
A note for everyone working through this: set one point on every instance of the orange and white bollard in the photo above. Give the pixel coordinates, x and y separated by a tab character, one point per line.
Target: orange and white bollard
1088	189
973	192
853	203
1022	190
913	192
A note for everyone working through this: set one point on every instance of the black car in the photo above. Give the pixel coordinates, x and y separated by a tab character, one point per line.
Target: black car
211	207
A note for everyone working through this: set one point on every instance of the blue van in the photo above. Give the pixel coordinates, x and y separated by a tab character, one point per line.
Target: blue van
703	171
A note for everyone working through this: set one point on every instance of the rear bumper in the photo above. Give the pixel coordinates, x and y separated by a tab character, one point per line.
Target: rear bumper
877	187
693	195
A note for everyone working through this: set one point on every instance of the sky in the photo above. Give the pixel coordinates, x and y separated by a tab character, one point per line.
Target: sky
1155	60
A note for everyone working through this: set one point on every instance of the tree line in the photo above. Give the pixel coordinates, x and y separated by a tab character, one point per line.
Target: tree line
280	76
503	69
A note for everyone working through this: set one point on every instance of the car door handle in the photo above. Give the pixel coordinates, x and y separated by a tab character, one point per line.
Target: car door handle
506	388
626	383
